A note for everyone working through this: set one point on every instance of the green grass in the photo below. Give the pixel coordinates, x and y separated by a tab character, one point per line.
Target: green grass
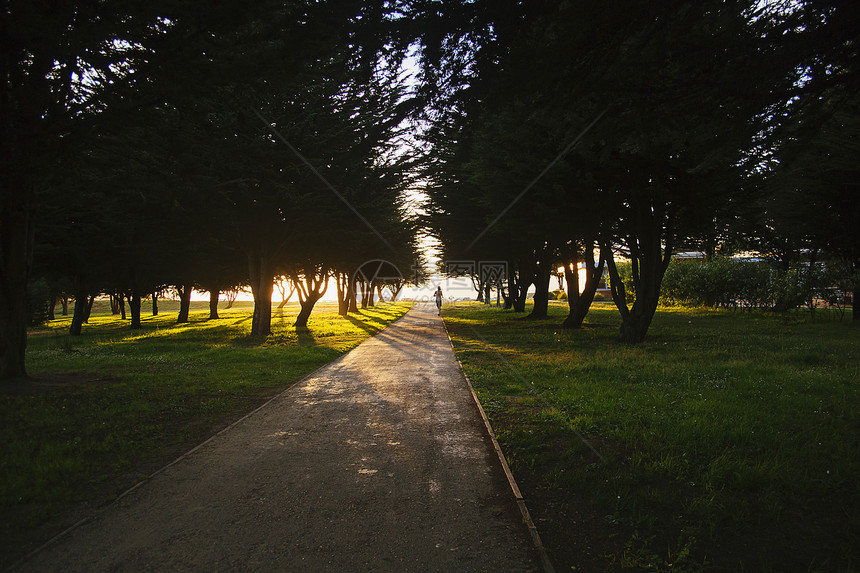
726	441
105	409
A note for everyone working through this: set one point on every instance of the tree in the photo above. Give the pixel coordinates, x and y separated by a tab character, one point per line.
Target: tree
57	61
580	302
311	280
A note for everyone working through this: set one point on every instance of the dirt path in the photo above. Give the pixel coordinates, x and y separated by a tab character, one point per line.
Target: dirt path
377	462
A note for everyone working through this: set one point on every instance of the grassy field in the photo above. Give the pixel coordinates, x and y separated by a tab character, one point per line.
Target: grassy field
106	409
725	442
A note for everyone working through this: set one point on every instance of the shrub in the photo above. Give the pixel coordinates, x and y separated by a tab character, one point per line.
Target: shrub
558	294
736	283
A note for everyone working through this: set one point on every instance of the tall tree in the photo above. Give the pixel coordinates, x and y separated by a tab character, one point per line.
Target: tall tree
56	61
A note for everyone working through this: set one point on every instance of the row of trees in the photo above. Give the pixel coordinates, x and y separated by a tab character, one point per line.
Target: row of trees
146	144
152	145
635	130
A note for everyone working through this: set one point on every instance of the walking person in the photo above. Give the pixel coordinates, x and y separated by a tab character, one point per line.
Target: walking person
438	295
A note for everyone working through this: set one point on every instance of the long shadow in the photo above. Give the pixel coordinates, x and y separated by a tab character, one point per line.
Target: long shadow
369	329
530	318
305	336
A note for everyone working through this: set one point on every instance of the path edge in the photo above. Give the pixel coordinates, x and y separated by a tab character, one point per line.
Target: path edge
521	503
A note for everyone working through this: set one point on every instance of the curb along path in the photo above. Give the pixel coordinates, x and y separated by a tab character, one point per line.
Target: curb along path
377	462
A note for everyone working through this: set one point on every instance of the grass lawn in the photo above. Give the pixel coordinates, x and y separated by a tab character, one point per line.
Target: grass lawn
106	409
725	442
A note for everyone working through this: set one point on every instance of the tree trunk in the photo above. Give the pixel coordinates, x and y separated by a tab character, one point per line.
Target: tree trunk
262	285
365	293
649	261
508	300
352	295
184	303
645	305
341	281
524	277
541	297
64	300
579	304
114	304
20	138
154	303
51	315
261	323
575	302
508	293
522	294
120	301
13	307
311	287
134	309
346	301
89	309
634	329
213	302
855	307
79	315
480	287
543	275
371	294
305	312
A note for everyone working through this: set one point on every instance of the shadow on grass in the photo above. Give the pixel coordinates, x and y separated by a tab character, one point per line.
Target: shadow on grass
362	325
305	336
532	318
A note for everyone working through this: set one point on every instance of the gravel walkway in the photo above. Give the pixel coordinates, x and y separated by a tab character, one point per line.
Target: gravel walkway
376	462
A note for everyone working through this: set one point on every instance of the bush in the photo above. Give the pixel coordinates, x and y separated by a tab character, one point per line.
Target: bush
722	282
558	294
735	283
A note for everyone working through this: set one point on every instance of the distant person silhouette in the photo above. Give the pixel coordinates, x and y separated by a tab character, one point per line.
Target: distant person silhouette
438	295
